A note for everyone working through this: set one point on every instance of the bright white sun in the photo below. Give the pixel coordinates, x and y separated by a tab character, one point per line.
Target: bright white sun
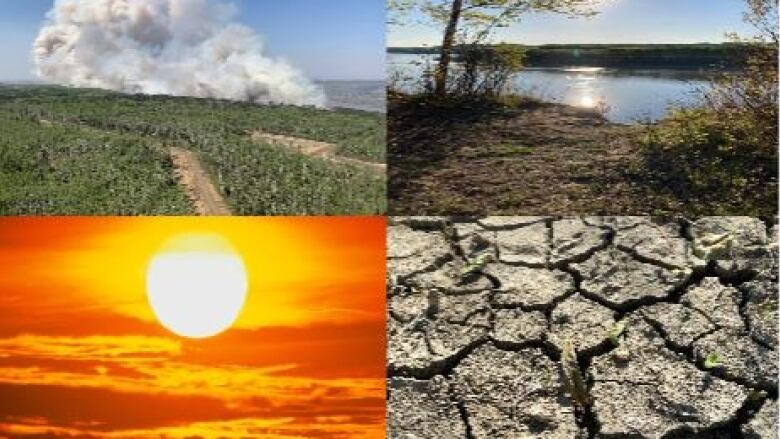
196	285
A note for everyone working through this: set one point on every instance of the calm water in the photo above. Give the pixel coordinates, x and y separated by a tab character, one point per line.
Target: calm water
627	95
359	95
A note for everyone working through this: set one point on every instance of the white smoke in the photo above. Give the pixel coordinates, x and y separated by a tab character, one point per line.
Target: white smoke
175	47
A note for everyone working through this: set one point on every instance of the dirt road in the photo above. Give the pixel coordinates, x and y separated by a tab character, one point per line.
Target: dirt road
313	148
191	176
196	182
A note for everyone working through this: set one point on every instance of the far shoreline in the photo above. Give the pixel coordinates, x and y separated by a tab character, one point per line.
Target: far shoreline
644	56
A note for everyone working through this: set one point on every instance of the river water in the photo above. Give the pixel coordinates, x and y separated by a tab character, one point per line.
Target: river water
624	95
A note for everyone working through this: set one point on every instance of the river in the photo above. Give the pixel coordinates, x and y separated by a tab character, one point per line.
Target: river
624	95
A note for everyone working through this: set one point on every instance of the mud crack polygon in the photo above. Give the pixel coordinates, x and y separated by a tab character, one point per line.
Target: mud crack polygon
673	322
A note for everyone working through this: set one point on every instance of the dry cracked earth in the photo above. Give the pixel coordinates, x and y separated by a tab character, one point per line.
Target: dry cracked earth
594	327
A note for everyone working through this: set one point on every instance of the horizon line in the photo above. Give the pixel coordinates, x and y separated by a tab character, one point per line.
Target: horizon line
594	44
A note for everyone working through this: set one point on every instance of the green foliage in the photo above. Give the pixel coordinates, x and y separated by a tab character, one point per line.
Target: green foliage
708	156
116	160
769	309
725	151
473	21
573	380
763	16
477	264
53	169
712	360
486	71
699	55
615	333
480	71
493	13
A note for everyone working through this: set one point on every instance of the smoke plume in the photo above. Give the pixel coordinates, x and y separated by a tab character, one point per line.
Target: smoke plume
175	47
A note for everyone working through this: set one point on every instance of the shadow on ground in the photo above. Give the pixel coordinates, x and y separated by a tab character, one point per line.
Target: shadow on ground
508	156
473	157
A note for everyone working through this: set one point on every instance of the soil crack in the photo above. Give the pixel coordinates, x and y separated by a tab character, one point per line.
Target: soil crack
500	335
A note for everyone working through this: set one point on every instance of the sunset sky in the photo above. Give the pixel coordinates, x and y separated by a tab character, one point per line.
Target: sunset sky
82	353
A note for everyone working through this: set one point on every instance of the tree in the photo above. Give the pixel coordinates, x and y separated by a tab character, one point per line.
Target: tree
723	153
763	15
751	94
482	16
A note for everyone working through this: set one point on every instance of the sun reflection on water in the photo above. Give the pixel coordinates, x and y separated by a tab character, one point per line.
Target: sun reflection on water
584	90
587	101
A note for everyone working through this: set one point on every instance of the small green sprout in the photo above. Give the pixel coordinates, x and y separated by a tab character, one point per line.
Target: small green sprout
712	360
477	264
573	380
768	309
713	246
617	331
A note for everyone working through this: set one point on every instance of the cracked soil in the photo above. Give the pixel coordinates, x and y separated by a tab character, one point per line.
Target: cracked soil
591	327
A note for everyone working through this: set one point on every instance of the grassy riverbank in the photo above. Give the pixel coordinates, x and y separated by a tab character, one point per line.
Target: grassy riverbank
519	155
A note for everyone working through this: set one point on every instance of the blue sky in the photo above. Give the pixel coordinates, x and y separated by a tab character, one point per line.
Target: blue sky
619	21
327	39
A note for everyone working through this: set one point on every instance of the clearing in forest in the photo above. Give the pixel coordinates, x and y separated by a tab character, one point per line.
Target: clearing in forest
313	148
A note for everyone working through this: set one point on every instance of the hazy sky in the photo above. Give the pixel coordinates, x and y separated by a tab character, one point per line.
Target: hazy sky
341	39
620	21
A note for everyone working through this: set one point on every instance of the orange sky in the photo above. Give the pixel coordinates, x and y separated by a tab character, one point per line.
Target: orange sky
82	354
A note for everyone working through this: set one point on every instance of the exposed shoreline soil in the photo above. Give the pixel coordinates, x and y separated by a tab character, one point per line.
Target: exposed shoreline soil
528	157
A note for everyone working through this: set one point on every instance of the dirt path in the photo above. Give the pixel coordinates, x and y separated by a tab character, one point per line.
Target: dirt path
536	159
198	185
313	148
191	176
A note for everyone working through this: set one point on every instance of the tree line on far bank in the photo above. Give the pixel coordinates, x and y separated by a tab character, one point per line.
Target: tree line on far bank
728	55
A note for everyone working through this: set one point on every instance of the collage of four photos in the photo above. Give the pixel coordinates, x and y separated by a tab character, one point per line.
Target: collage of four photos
405	219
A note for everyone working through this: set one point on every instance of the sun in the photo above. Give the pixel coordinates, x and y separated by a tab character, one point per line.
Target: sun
196	285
